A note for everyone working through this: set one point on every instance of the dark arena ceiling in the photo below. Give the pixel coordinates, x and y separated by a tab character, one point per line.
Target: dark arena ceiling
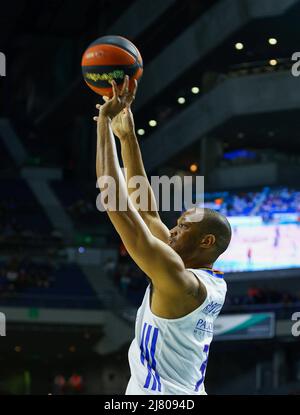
40	41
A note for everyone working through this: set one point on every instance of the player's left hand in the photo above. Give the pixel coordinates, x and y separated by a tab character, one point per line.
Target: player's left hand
123	123
118	102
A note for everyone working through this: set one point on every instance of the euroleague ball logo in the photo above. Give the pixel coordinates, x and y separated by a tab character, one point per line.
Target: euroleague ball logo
2	64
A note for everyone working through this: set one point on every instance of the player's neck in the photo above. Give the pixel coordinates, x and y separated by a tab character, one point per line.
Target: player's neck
195	263
196	260
206	266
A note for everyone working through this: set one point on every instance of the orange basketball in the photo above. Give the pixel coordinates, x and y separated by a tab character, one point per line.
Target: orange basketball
108	58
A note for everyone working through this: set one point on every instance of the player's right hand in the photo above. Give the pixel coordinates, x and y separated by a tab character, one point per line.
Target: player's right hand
123	123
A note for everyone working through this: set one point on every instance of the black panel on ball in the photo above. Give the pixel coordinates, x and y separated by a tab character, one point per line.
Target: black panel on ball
117	41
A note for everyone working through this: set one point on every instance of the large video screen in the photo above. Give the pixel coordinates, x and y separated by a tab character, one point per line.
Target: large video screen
265	229
260	246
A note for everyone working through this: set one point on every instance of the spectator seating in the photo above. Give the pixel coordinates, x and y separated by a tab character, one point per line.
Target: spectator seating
34	284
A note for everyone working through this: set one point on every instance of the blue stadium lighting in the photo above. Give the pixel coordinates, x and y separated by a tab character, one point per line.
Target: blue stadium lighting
233	155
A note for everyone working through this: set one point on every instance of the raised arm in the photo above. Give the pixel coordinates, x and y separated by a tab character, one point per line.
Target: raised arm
160	262
124	128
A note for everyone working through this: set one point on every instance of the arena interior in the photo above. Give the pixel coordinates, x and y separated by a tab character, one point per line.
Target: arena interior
219	83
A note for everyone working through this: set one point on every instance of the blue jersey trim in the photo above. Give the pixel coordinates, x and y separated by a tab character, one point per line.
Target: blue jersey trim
213	272
145	355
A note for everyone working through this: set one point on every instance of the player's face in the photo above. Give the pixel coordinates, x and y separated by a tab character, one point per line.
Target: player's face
184	235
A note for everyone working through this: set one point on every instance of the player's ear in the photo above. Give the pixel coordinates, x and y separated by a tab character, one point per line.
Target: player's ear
208	241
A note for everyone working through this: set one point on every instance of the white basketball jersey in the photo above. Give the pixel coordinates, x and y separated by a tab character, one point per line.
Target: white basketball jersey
169	356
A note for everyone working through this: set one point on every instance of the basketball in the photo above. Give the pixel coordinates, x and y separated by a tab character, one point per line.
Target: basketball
111	58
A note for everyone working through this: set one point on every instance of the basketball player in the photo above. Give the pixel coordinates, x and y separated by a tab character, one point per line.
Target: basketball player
174	325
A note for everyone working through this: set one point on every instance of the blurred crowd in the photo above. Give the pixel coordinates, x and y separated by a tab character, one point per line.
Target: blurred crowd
132	283
17	225
260	203
81	209
64	385
240	204
18	274
10	227
282	200
258	295
127	277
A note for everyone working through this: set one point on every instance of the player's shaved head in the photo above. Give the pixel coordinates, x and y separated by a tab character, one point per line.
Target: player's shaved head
203	234
216	224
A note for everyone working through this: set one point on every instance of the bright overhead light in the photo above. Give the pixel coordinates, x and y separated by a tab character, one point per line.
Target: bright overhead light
239	46
152	123
181	100
195	90
273	62
141	131
272	41
193	167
